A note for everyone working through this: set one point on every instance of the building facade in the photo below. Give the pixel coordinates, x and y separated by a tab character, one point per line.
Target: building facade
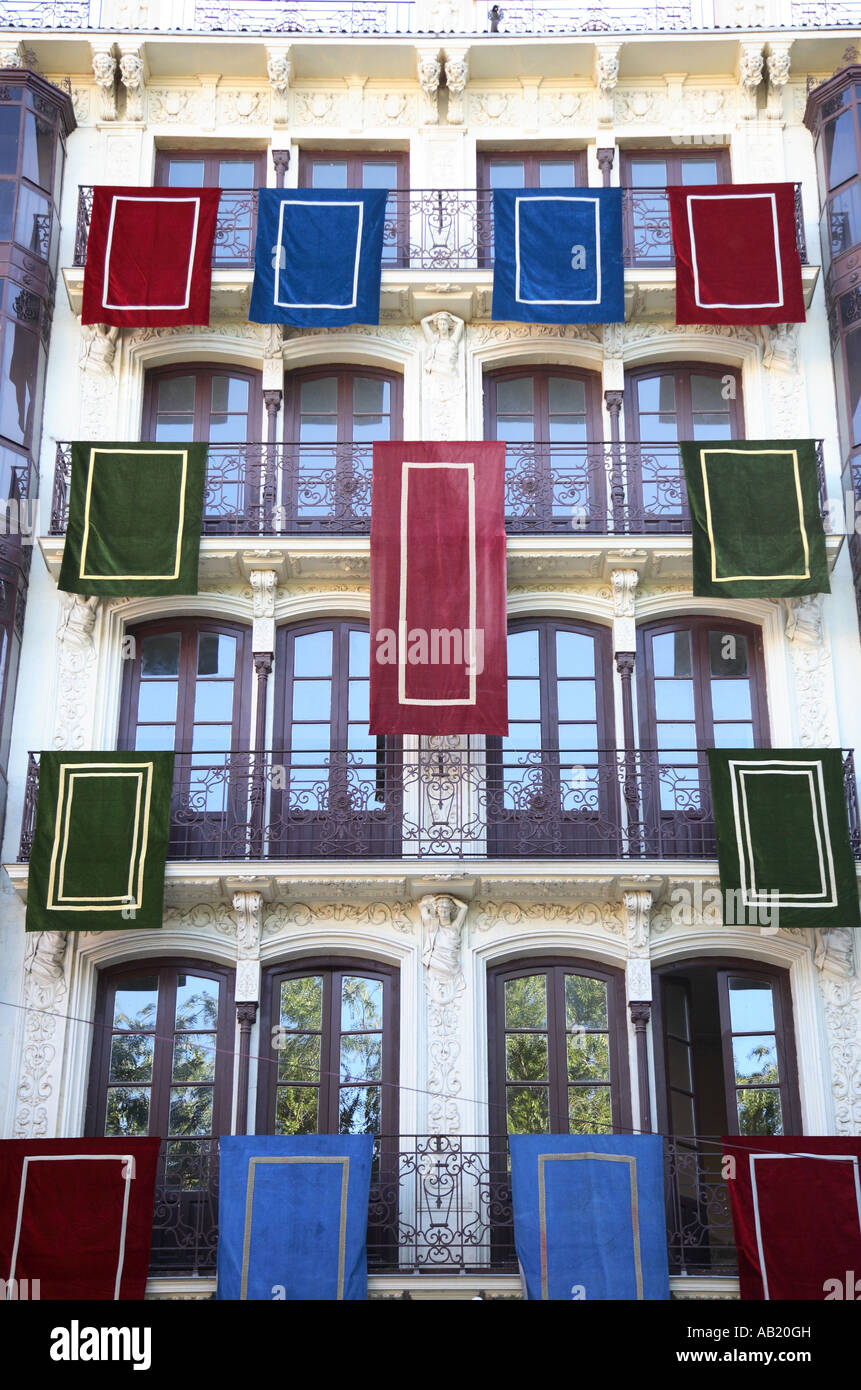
439	940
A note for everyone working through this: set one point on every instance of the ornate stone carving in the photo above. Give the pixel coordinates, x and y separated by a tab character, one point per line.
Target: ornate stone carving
488	108
834	952
97	395
171	104
481	335
244	107
81	104
624	584
456	78
76	661
12	55
606	77
248	907
132	78
814	681
605	916
202	917
635	106
263	588
749	73
429	74
287	915
702	105
563	107
778	64
278	71
44	997
104	71
638	907
442	919
391	108
317	108
443	397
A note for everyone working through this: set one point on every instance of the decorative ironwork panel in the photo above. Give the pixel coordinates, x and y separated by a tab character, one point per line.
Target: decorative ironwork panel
700	1237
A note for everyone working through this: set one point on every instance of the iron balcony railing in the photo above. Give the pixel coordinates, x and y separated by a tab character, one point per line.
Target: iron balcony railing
438	228
492	802
615	489
440	1204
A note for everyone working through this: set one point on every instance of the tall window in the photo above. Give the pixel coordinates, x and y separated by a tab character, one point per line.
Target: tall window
338	780
522	169
333	1067
664	405
701	684
557	1049
363	169
553	778
838	157
331	419
239	173
646	174
162	1063
221	406
548	418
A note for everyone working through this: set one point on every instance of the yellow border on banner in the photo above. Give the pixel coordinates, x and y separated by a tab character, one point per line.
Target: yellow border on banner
56	900
162	453
730	578
249	1207
635	1215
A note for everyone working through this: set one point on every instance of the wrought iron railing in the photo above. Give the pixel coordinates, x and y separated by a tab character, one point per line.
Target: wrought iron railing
439	228
441	1204
629	488
428	803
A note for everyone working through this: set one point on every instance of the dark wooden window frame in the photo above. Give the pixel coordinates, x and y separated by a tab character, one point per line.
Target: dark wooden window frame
673	157
620	1088
167	968
203	371
345	373
547	629
189	628
531	159
354	159
332	967
210	158
724	967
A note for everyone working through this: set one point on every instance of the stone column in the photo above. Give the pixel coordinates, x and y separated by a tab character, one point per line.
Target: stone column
638	981
247	907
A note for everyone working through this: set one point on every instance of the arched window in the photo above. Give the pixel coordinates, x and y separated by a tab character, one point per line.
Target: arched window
663	405
188	688
337	792
331	418
549	417
701	684
333	1065
162	1063
557	1048
221	406
552	781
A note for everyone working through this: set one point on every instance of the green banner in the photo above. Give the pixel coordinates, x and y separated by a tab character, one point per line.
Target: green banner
135	517
755	520
783	837
100	842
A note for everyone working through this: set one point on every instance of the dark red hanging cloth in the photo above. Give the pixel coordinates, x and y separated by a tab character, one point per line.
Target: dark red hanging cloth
149	256
76	1215
438	594
796	1209
736	253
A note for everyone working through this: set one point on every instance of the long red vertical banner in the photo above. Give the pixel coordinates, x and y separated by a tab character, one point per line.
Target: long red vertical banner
438	595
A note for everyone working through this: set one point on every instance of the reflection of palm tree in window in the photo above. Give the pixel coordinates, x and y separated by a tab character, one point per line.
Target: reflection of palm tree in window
759	1110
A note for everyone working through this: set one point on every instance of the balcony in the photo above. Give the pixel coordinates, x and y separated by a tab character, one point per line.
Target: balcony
424	804
551	489
441	1204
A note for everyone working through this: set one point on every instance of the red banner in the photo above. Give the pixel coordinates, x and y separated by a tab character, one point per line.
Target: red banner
736	254
149	256
796	1209
76	1216
438	596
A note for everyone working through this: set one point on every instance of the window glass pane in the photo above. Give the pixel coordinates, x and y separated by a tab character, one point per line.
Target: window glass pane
361	1057
360	654
759	1112
329	173
841	157
187	1164
585	1002
526	1002
706	394
674	699
302	1003
731	700
311	698
671	654
755	1060
852	347
506	173
556	173
127	1111
696	169
526	1057
216	654
157	701
38	158
727	654
229	393
733	736
359	1110
523	653
237	173
131	1057
379	174
682	1114
358	702
361	1003
648	173
588	1057
312	654
152	737
576	700
679	1064
751	1006
196	1002
7	207
319	396
370	395
176	393
575	654
185	173
33	220
514	396
844	218
296	1110
299	1057
190	1110
213	700
524	700
566	396
589	1110
194	1057
136	1003
20	351
10	121
657	393
527	1109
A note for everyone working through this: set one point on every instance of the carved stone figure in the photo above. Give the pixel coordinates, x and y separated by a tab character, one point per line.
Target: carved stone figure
131	76
429	72
834	949
104	71
45	953
442	917
442	333
98	348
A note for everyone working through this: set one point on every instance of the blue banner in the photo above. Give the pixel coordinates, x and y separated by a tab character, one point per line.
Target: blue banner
589	1220
293	1216
318	256
558	255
